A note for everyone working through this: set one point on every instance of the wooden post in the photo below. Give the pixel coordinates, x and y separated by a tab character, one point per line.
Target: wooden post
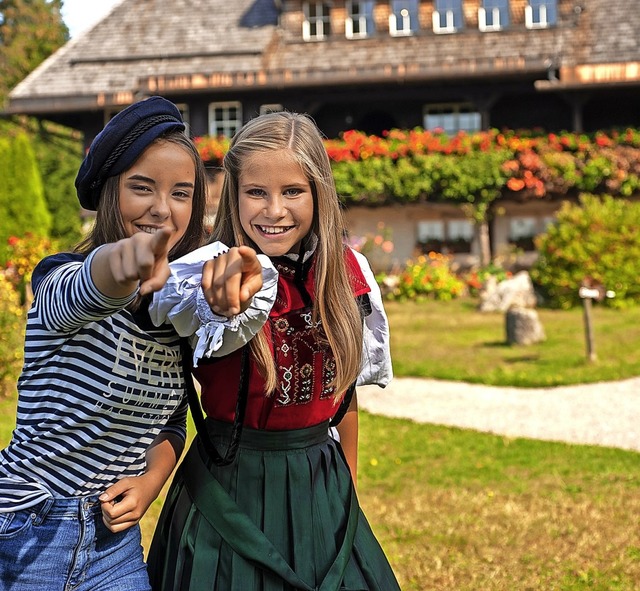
588	329
589	292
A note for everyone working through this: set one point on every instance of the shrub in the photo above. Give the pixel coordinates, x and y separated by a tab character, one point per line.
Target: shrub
12	320
427	277
22	201
596	241
24	254
59	154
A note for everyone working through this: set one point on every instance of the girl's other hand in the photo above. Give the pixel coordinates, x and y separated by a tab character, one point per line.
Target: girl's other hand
230	281
124	503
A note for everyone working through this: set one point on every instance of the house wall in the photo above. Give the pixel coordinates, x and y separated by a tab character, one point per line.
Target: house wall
370	84
496	72
402	222
252	52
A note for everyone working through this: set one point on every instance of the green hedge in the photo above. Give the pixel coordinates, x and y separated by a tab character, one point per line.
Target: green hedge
22	201
595	242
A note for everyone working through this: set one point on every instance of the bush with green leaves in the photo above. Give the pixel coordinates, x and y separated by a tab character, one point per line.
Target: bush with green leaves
595	242
22	200
427	277
12	322
59	154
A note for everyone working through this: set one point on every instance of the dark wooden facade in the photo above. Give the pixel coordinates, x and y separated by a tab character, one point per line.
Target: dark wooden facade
574	67
580	72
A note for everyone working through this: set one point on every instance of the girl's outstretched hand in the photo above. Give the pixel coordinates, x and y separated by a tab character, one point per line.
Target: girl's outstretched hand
154	272
118	268
231	279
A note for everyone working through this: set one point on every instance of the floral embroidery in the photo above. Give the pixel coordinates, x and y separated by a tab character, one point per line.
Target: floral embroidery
285	386
281	324
306	383
328	375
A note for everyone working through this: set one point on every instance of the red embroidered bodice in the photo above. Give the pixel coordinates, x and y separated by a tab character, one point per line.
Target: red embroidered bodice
305	364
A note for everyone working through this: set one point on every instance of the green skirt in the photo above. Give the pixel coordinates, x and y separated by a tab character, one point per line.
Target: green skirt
284	516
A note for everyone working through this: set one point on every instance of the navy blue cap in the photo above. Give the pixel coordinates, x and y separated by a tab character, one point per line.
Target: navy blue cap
121	143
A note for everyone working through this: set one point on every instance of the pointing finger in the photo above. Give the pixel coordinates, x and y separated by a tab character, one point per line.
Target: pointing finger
160	242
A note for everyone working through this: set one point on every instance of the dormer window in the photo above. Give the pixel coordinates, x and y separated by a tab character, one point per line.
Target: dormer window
540	14
493	15
403	19
317	21
447	16
360	21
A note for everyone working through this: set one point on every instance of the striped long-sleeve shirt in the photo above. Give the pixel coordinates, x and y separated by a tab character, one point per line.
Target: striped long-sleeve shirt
98	385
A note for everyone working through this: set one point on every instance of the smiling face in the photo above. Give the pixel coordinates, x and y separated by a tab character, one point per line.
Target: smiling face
157	191
275	202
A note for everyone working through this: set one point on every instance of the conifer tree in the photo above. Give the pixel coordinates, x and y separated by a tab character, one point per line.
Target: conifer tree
21	193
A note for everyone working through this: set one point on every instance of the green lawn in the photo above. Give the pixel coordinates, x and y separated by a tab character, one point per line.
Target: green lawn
458	510
453	341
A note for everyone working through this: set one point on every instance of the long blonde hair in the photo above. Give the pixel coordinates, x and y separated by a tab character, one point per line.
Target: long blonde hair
334	302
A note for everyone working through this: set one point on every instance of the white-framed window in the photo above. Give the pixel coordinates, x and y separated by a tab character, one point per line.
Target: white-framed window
460	230
449	236
540	14
360	21
447	16
403	17
430	231
493	15
523	231
225	118
271	108
317	21
522	227
452	118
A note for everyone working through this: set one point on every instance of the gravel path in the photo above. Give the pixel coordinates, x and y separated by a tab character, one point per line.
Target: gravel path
605	414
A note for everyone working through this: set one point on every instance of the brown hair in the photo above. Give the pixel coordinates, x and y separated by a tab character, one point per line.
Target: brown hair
109	227
334	302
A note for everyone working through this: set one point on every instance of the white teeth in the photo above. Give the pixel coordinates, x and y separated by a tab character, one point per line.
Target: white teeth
274	229
148	229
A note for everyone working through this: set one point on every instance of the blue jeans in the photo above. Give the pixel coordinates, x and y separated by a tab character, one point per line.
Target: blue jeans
63	545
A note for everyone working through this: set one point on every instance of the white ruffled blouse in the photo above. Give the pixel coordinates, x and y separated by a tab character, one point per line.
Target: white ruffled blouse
181	302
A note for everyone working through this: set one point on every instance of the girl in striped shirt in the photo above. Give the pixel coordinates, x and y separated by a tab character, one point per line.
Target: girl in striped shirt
101	408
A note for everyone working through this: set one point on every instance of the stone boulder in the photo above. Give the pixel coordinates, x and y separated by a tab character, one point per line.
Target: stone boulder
516	291
523	326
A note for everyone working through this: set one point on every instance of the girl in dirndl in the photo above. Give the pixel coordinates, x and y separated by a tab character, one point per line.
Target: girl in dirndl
265	498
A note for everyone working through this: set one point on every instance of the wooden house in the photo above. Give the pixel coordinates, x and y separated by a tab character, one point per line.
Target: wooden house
370	65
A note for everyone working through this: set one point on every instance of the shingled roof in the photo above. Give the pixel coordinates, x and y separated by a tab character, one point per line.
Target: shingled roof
155	38
172	47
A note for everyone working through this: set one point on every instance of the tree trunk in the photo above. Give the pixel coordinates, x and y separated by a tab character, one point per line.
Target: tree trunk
482	228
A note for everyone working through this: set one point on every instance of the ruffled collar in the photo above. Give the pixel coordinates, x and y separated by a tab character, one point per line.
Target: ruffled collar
310	243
